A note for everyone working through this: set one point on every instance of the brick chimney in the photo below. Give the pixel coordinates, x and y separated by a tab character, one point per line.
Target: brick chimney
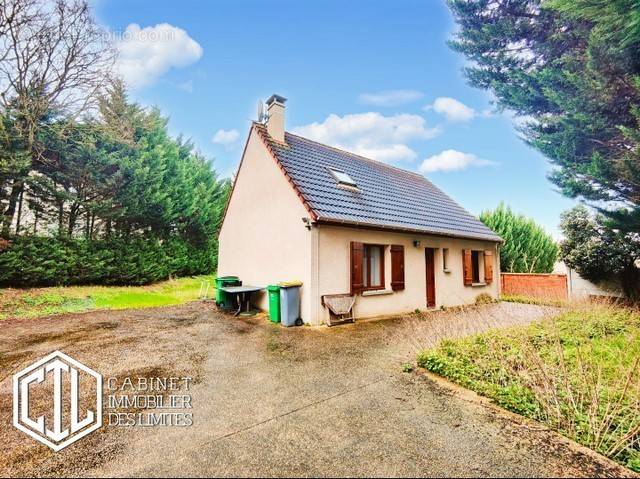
275	112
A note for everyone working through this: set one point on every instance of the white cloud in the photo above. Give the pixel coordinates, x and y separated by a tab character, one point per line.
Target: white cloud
390	97
225	137
186	86
145	54
452	160
452	109
373	135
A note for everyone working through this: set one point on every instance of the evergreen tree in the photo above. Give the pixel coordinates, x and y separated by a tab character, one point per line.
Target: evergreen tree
571	69
527	247
116	209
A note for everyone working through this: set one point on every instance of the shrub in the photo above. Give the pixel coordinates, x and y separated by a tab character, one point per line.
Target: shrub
484	298
48	261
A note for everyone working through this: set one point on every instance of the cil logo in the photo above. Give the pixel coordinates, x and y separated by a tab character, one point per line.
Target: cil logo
46	386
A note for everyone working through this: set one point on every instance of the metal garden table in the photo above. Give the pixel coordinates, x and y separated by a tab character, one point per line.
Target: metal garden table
243	293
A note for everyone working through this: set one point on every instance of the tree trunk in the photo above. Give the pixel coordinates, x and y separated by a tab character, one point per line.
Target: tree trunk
9	213
73	216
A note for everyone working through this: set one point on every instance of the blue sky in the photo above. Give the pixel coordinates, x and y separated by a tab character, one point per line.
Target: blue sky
373	77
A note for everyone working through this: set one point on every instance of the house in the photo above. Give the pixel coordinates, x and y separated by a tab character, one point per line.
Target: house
342	223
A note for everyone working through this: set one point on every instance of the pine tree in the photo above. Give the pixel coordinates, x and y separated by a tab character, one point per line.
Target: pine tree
571	70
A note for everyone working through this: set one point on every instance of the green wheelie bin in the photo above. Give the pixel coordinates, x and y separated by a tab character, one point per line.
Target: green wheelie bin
274	302
223	300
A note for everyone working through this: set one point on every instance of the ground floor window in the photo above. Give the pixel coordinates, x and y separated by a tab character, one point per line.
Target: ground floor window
373	266
445	259
475	265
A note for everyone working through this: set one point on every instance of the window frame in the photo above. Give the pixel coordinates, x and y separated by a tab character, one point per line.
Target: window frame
346	180
366	258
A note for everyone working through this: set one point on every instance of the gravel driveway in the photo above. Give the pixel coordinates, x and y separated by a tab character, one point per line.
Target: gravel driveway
270	401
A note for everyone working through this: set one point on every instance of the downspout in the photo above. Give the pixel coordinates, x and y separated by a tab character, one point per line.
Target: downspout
317	307
498	270
314	274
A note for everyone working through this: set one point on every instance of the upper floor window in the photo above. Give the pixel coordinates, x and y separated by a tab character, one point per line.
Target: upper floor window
342	177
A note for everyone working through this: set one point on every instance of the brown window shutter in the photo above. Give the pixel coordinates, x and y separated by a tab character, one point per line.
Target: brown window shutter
397	267
467	267
488	266
357	254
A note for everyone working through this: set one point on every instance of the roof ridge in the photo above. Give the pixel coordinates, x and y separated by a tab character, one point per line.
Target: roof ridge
359	156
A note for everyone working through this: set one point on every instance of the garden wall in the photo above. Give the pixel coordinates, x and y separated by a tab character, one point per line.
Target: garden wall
542	286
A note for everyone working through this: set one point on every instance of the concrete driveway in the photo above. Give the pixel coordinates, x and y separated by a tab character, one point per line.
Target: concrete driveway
270	401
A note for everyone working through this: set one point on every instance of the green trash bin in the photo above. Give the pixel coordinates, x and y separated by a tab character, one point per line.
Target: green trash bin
222	299
274	302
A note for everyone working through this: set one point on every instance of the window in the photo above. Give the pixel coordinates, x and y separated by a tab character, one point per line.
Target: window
342	177
445	260
367	267
475	265
373	267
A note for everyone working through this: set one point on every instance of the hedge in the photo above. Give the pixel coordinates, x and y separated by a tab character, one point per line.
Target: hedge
51	261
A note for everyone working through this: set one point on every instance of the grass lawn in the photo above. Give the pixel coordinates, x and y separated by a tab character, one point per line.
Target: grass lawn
577	373
33	302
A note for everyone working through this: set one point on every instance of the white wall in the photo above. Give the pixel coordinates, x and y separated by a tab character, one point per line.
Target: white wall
334	271
580	288
263	239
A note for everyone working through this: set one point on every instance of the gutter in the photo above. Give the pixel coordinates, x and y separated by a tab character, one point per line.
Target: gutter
400	229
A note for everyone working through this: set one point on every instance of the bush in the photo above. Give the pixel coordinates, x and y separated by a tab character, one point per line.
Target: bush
47	261
484	298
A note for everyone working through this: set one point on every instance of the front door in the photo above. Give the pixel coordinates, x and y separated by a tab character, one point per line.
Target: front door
431	277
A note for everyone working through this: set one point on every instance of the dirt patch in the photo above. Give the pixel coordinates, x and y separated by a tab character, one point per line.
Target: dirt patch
118	345
107	325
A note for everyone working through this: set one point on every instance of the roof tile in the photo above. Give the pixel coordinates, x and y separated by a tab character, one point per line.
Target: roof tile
386	196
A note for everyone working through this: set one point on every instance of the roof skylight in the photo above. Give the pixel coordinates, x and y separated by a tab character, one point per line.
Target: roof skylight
342	177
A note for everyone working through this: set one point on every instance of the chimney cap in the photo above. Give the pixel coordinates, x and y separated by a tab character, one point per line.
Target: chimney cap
276	98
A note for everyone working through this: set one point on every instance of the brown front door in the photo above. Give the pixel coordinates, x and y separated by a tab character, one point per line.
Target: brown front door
431	277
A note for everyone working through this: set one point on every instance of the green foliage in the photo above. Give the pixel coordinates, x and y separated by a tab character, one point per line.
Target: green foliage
578	373
407	367
115	200
598	252
527	247
571	69
40	261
